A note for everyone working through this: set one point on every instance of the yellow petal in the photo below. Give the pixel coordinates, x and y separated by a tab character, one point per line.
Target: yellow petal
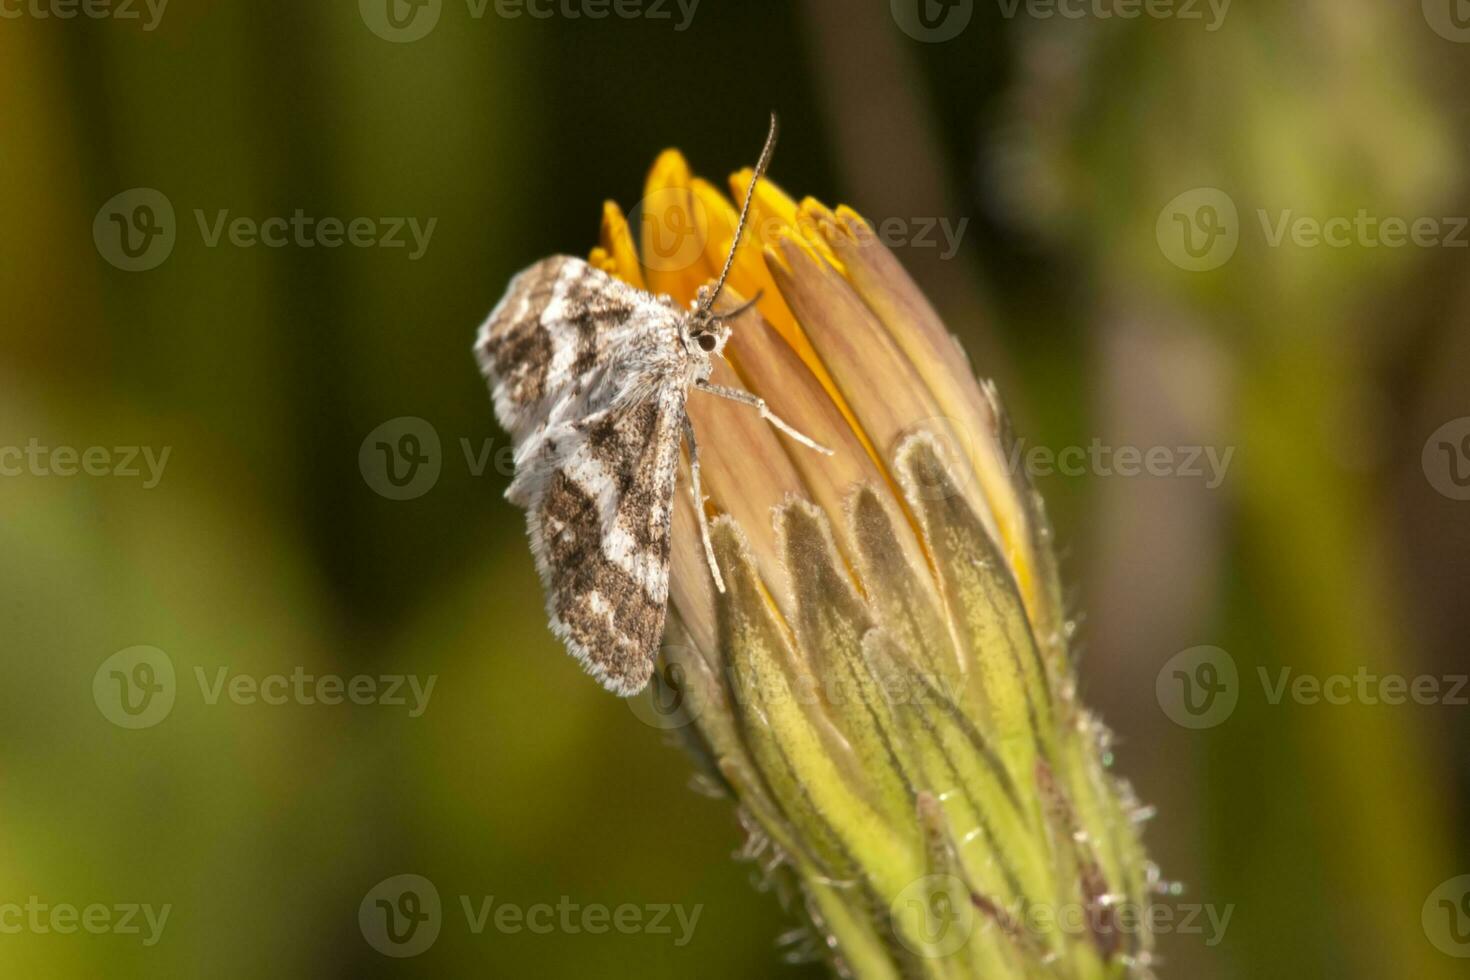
620	253
888	290
599	259
673	229
774	214
771	368
748	276
746	472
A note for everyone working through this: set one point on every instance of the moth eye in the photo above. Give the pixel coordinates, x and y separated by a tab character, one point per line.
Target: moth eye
706	342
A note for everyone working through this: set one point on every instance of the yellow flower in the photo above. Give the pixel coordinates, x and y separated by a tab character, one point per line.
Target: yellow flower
885	687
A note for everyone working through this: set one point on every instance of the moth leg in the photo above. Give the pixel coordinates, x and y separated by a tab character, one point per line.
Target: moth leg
746	398
709	549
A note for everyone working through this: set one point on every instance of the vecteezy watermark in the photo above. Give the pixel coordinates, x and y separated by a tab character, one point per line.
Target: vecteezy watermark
1450	19
673	230
1446	459
1446	917
935	916
1200	687
673	699
1208	463
1363	687
136	230
403	458
921	233
389	690
567	917
670	701
934	21
1363	230
137	688
1211	12
119	462
1200	230
302	230
147	12
402	21
403	915
96	918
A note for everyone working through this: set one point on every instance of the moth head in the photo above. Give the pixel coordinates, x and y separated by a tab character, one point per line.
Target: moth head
707	332
706	336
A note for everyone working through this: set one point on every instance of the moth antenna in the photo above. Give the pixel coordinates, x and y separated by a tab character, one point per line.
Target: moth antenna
760	170
732	314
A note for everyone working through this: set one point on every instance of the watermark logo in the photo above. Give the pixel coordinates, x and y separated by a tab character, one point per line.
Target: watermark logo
1446	459
299	687
669	702
1446	917
674	700
1450	19
122	462
401	459
932	21
136	229
1363	687
1363	230
671	226
572	918
148	12
936	456
1206	463
934	916
896	232
96	919
400	21
1199	230
135	688
302	230
1211	12
591	10
1199	687
401	916
935	21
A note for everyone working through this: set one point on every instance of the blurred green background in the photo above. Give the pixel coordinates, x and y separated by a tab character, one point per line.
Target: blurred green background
1338	542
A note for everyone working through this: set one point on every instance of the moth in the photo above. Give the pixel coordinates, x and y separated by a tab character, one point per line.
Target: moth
590	376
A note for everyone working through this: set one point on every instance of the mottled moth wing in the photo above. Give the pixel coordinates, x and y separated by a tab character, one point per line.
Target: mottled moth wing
589	377
601	498
549	335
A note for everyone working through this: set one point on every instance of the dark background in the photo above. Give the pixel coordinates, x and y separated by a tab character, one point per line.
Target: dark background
1335	544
